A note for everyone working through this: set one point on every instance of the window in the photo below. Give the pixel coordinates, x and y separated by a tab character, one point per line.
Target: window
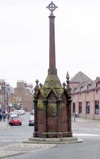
73	107
80	107
87	107
96	107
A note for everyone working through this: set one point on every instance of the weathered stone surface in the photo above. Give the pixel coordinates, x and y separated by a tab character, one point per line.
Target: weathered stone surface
52	101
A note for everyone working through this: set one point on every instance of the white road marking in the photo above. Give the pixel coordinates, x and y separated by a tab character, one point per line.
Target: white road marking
19	140
74	134
94	135
86	129
6	140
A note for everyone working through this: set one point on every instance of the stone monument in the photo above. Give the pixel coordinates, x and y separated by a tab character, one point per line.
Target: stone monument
52	101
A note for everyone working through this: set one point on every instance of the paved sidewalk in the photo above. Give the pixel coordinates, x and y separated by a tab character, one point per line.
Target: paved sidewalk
80	120
17	149
4	125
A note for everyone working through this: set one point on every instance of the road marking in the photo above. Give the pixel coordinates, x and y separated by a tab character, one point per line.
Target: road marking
85	129
94	135
6	140
74	134
20	140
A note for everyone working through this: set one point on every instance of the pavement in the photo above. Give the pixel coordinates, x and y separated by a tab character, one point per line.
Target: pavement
83	120
4	124
29	146
21	148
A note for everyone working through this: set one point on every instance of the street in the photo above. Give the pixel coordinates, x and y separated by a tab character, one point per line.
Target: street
11	139
16	133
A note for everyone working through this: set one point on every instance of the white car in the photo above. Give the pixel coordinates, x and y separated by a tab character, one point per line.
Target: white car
32	112
31	120
13	114
17	111
22	111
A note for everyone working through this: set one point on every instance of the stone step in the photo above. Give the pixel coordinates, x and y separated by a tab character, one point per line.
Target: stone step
54	140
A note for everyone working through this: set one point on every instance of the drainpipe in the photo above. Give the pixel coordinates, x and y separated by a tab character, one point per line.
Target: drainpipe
94	103
85	104
78	105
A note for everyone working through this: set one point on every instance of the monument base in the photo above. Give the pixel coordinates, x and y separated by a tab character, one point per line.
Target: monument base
65	140
52	134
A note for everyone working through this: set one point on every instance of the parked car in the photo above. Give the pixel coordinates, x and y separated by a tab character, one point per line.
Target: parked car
32	112
15	121
22	111
18	112
12	114
31	120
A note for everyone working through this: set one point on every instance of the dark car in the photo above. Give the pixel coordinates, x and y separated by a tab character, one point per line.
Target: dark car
31	120
15	121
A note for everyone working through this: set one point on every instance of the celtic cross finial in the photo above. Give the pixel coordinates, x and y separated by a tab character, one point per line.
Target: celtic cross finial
51	7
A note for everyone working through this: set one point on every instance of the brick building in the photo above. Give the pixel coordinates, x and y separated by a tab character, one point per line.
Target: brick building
85	96
23	96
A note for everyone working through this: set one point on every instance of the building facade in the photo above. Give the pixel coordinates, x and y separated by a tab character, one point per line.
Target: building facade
86	97
6	96
23	96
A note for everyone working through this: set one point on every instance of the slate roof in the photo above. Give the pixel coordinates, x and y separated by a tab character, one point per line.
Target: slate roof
80	77
84	87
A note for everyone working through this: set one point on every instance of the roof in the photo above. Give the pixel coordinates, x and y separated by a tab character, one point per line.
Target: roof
80	77
84	87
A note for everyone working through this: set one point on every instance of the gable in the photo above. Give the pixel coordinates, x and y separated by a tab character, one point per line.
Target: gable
80	77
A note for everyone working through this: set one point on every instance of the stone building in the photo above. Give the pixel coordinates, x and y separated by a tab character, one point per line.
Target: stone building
6	96
85	96
23	96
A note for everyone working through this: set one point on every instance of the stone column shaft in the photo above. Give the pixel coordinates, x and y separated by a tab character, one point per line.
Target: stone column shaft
52	58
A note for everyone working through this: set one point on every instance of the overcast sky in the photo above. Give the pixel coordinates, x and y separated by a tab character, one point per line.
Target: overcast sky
24	39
